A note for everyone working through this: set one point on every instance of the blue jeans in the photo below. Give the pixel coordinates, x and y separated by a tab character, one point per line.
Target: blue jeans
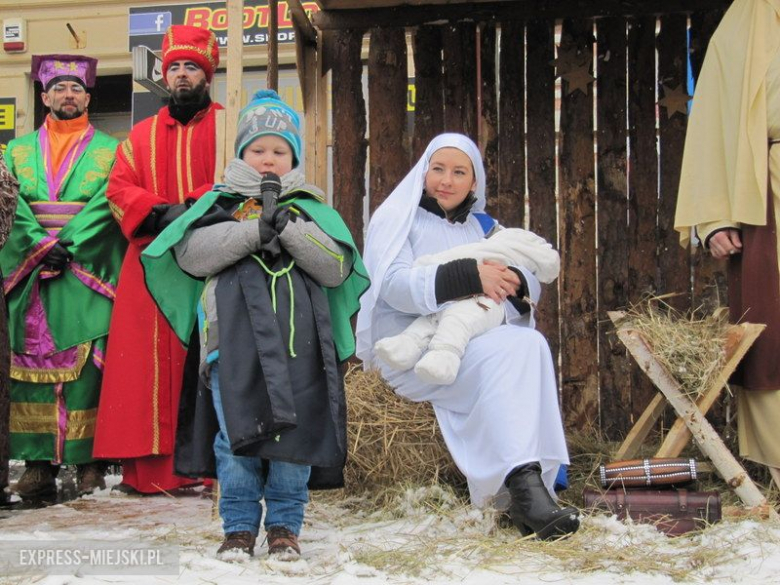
242	485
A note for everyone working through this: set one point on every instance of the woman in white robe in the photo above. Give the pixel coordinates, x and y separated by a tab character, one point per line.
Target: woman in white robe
500	418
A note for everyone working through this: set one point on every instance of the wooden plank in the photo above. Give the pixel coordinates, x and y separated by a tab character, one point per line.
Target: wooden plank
642	182
349	131
614	363
705	436
710	287
323	115
303	26
235	54
488	109
361	16
674	269
272	77
579	363
540	116
738	341
429	104
460	78
387	93
510	199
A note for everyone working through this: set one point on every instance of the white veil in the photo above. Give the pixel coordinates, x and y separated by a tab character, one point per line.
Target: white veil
390	225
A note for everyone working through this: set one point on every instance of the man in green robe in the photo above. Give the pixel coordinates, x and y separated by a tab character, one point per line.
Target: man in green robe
60	268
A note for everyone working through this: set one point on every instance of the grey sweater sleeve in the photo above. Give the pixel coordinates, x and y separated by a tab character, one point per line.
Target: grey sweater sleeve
315	252
209	250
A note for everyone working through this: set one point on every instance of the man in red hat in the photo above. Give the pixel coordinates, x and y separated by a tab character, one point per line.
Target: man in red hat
60	266
167	161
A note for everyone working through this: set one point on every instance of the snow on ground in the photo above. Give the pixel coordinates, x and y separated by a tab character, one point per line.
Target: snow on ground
424	537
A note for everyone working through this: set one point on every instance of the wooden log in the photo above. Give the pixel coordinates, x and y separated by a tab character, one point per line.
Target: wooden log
460	78
349	131
359	17
642	182
710	287
510	199
579	363
303	26
738	341
235	53
272	78
540	116
674	268
705	436
488	109
614	363
387	93
429	104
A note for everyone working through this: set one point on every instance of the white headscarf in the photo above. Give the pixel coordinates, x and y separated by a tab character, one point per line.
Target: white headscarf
390	225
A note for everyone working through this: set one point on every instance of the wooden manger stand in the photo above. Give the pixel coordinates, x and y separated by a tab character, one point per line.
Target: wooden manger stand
691	415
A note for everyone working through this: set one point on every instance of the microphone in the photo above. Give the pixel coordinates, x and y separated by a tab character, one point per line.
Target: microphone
270	189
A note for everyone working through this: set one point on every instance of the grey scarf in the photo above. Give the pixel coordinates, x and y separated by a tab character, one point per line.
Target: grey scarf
244	180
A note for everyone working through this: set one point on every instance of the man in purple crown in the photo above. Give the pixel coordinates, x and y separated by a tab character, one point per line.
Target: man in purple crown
60	267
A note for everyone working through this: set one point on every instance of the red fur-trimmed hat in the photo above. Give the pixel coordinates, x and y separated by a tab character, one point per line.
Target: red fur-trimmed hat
190	43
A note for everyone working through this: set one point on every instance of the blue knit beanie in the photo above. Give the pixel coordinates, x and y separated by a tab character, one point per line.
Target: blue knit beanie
268	114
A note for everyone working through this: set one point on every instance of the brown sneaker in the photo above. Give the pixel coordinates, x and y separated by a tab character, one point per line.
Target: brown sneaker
89	477
282	542
238	542
37	481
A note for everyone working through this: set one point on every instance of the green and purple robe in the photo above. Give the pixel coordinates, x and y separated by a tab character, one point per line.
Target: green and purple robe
58	319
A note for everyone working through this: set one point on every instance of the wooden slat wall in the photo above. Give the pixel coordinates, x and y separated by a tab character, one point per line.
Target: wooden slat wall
614	207
542	204
577	219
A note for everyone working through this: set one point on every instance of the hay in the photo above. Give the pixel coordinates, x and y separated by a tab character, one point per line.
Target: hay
690	345
392	440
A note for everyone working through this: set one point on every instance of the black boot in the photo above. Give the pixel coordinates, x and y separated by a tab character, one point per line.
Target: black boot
533	510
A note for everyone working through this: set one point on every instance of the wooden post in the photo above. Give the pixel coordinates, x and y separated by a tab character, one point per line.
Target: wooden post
272	81
488	126
614	363
429	107
235	50
540	115
579	363
322	128
460	78
705	436
642	183
509	202
387	91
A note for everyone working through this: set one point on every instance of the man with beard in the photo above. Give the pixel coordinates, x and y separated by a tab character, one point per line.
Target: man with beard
60	267
166	163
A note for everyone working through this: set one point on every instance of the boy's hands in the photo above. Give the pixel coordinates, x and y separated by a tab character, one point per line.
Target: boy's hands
270	228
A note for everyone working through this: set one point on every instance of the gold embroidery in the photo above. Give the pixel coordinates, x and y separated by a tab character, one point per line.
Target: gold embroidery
179	180
21	155
116	211
189	132
205	52
52	376
153	145
156	393
127	150
37	418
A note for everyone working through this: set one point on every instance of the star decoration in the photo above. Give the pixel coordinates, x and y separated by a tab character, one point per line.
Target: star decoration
73	67
578	79
675	100
59	65
569	59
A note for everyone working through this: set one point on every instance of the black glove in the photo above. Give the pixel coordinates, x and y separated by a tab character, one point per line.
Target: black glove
58	257
270	228
161	217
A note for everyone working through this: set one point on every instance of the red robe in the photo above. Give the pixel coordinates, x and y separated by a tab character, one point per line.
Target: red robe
162	161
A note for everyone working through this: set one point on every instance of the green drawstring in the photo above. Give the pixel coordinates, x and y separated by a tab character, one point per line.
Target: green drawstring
274	276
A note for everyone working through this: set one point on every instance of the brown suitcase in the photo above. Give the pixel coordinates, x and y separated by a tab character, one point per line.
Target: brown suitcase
648	473
673	512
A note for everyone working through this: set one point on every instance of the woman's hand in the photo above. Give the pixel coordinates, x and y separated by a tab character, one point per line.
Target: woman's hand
725	243
498	282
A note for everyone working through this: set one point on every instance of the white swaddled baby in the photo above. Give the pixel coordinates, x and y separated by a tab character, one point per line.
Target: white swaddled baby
446	334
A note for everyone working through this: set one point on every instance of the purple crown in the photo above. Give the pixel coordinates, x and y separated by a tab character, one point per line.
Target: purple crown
49	68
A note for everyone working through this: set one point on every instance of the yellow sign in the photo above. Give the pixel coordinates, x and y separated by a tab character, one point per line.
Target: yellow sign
7	116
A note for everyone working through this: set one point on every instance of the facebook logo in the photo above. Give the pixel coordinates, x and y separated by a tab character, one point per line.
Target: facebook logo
149	23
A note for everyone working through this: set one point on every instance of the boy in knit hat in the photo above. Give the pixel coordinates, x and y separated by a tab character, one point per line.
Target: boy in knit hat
278	290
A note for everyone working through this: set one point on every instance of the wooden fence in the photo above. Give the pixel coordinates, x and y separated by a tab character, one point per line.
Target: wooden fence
611	214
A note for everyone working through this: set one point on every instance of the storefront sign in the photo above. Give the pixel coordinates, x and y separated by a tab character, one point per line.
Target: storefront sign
148	23
147	70
7	121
